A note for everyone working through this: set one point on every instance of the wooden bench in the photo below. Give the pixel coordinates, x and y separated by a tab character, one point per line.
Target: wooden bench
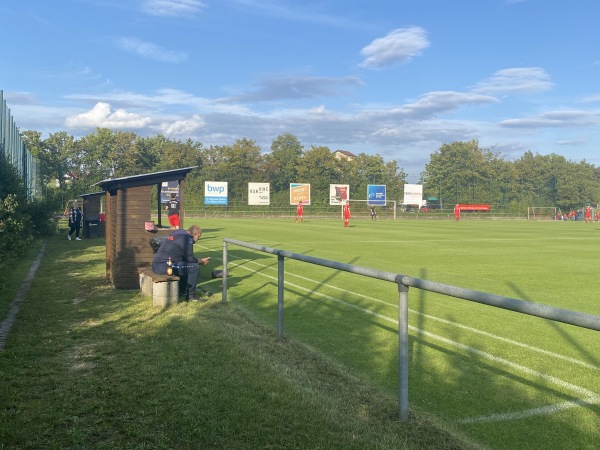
164	289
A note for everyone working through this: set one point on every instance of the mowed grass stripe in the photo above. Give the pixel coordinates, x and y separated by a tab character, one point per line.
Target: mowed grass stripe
550	263
412	311
591	397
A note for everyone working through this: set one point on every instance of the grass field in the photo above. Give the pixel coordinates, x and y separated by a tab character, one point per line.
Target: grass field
87	366
505	379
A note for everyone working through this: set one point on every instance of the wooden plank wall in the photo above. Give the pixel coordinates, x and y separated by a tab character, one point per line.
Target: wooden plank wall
130	241
91	208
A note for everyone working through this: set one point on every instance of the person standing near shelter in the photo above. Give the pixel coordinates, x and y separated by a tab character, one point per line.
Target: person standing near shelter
179	248
75	217
173	211
373	213
299	212
456	212
346	213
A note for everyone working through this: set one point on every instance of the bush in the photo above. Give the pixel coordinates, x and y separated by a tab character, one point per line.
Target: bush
21	220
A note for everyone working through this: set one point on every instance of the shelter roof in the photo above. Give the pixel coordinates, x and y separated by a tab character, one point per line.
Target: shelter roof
144	179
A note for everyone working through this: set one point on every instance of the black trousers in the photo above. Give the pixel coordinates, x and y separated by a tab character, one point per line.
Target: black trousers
75	227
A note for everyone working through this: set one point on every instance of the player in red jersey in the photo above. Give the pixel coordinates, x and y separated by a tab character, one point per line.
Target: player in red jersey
588	214
299	212
346	214
457	212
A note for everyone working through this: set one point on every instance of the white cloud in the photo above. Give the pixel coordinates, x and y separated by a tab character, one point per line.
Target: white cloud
172	8
297	87
149	50
102	116
181	127
437	102
516	80
570	118
400	45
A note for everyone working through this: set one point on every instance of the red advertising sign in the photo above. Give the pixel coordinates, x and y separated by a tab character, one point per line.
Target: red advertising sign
474	207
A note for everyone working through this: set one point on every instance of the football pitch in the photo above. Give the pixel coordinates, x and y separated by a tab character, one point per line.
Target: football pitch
501	378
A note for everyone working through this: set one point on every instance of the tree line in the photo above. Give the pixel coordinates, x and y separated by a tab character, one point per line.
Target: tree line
458	172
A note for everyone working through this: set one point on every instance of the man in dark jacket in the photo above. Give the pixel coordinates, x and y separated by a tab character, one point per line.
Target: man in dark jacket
179	247
75	217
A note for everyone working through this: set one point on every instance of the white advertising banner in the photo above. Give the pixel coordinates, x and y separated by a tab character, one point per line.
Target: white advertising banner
339	193
413	194
258	194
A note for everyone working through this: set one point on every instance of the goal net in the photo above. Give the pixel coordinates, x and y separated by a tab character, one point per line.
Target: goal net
541	212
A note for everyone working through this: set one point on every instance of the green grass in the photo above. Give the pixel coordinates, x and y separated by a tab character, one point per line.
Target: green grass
502	378
87	366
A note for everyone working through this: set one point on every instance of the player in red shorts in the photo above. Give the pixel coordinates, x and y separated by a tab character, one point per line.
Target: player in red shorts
588	214
346	214
173	211
457	212
299	212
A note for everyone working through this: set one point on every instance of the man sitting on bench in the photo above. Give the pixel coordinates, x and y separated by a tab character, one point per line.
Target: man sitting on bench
179	247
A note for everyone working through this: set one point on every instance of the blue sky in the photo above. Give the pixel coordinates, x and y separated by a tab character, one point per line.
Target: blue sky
397	78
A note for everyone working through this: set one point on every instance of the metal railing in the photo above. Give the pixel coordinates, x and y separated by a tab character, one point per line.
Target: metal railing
404	282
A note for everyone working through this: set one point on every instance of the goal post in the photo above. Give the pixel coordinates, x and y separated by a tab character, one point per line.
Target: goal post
369	202
541	212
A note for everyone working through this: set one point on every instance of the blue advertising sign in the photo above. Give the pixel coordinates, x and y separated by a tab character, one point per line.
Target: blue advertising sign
215	192
167	188
376	194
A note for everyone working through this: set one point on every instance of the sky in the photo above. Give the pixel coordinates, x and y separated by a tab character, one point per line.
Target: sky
397	78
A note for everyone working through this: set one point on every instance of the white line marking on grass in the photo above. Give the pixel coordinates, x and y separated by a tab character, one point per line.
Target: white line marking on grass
591	397
451	323
542	411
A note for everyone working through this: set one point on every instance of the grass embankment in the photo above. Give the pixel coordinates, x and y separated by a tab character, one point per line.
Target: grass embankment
88	366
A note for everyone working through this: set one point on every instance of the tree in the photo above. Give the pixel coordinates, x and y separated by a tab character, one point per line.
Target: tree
283	161
460	172
317	167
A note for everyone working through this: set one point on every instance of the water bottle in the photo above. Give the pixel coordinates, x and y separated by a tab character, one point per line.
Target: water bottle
169	266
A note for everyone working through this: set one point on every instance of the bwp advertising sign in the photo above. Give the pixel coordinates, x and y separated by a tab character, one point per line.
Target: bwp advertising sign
258	194
376	194
339	193
167	188
299	192
215	192
413	194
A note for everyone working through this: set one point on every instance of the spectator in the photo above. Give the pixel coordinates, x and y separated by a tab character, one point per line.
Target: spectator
178	247
75	216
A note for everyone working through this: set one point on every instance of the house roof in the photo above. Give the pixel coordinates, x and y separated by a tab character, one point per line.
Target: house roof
346	153
144	179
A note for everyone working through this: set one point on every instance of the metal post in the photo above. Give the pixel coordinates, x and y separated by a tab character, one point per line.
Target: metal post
225	276
403	352
280	290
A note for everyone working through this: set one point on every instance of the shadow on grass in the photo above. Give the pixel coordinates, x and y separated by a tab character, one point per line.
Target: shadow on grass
89	366
503	402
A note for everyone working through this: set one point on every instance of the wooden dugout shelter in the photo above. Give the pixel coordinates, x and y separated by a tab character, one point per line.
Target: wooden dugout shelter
93	227
128	209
